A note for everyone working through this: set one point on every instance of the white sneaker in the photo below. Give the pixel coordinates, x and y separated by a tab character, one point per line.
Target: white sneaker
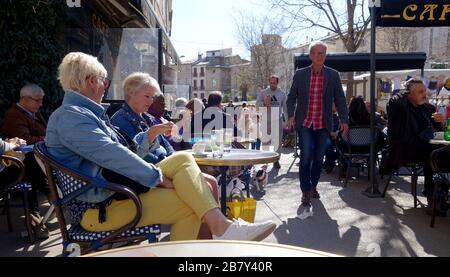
243	230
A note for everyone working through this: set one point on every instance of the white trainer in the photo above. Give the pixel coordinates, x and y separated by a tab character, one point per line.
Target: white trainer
243	230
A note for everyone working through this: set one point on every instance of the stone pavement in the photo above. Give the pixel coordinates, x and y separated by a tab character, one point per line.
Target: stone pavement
344	222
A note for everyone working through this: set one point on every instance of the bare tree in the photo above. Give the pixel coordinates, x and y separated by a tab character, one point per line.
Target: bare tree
398	39
261	37
349	21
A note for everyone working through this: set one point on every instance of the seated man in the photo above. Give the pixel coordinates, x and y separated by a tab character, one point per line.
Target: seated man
214	117
411	126
24	120
158	113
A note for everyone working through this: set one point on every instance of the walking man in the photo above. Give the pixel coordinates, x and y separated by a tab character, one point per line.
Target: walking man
271	98
310	110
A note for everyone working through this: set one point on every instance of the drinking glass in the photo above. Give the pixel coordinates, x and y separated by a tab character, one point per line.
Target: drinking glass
227	140
217	143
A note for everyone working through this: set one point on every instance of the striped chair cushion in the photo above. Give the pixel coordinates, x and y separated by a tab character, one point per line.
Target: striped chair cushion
77	233
22	187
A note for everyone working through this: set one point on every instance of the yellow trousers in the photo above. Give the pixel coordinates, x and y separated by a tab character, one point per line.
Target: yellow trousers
182	207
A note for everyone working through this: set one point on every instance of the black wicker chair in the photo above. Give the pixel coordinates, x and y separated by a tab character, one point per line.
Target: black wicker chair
16	186
358	137
441	184
66	186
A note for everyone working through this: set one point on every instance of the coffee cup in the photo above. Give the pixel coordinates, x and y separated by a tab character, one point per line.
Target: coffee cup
199	148
439	135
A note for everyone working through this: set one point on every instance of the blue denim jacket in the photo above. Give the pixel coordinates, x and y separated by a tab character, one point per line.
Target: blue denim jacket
78	136
132	124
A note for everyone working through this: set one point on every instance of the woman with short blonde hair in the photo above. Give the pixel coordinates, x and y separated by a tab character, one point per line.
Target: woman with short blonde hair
76	67
137	81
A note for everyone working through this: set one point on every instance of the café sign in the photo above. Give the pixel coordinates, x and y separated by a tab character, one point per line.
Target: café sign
410	13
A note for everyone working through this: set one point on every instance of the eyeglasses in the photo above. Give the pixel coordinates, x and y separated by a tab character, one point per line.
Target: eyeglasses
106	82
38	100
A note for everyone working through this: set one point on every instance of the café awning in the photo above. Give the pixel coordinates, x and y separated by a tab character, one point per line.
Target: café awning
357	62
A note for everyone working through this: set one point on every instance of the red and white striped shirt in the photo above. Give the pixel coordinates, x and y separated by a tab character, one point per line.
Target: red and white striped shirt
315	113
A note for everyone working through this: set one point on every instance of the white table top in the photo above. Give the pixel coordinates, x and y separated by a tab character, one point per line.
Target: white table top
440	141
237	157
212	248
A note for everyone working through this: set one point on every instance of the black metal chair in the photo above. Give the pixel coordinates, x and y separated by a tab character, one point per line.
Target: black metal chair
441	184
16	186
66	185
358	138
410	169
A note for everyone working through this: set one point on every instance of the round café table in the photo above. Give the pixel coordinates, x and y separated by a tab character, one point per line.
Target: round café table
237	157
440	142
211	248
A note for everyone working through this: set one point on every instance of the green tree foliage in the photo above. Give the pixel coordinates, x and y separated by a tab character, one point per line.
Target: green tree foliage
32	34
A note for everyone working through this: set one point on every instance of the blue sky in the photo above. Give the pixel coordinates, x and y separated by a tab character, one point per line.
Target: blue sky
202	25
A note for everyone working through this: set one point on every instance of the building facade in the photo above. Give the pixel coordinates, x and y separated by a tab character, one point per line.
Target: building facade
212	73
126	36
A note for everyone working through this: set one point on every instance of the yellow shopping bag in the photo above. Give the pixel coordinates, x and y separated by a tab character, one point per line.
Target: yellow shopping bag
16	154
242	208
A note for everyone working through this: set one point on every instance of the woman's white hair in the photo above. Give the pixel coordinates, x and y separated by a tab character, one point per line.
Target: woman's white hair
317	43
76	67
137	81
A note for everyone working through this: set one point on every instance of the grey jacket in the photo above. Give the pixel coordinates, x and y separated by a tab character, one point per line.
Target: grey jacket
298	98
4	147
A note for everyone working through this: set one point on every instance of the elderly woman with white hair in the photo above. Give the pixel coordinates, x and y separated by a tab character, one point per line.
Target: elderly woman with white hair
140	89
78	135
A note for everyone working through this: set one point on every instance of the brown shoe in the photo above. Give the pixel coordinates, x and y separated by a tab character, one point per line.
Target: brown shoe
306	198
315	194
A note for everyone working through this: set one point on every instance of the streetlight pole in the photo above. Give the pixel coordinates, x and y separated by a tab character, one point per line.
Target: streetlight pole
372	191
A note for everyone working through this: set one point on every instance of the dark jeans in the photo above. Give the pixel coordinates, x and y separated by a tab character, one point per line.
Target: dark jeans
312	149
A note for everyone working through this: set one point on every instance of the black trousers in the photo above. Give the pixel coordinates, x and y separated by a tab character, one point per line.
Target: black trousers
36	177
422	157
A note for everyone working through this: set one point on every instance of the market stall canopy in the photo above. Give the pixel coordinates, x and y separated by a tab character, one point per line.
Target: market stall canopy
413	13
357	62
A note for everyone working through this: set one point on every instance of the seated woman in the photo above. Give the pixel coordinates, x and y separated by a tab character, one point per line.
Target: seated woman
78	135
360	116
132	119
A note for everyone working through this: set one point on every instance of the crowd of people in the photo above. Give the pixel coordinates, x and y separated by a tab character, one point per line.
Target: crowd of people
139	146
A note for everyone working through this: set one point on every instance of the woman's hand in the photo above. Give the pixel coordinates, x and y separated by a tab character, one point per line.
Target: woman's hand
160	129
167	183
16	142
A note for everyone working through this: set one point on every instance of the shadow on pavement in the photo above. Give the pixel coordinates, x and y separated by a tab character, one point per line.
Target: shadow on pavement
319	232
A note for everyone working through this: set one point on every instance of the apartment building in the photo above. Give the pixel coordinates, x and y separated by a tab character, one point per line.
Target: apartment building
212	73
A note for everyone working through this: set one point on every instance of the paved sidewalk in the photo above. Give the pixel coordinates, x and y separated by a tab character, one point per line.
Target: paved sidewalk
344	222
